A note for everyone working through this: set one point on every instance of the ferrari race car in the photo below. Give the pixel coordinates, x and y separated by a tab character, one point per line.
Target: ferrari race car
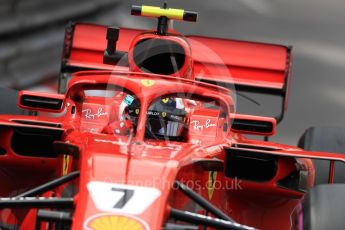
144	134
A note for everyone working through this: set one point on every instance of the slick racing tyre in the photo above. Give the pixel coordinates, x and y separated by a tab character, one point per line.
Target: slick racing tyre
324	208
325	139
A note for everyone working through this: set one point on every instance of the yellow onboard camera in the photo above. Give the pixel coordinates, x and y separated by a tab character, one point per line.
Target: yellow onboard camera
163	15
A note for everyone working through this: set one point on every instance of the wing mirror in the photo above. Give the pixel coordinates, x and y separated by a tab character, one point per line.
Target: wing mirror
255	125
38	101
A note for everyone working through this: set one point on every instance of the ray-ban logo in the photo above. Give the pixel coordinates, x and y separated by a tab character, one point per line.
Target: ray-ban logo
89	115
198	126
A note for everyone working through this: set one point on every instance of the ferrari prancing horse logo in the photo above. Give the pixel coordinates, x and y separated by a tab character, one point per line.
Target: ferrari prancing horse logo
147	82
65	165
212	176
165	100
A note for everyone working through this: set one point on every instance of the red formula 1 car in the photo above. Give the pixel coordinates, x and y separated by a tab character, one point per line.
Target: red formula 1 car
145	136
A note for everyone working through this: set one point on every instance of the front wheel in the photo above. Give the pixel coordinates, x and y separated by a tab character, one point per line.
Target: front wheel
324	208
325	139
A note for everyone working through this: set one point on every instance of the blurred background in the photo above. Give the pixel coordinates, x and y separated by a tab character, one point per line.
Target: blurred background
32	32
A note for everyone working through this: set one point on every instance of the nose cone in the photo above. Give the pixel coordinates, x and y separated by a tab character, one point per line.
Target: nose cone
118	192
161	54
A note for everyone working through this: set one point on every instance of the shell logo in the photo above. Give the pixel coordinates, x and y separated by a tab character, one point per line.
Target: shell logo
115	222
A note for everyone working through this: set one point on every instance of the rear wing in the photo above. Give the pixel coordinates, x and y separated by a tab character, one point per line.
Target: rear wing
254	67
84	47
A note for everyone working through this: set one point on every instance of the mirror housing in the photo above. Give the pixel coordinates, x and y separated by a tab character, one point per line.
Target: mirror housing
254	125
39	101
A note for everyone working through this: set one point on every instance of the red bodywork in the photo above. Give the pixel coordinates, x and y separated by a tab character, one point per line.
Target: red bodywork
149	167
249	63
